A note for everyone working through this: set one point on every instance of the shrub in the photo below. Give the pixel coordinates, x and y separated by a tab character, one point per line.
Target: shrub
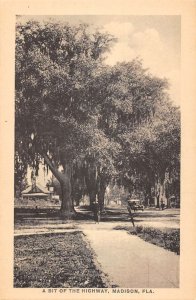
166	238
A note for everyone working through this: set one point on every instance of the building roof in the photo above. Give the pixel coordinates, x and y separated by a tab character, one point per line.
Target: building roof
35	194
36	189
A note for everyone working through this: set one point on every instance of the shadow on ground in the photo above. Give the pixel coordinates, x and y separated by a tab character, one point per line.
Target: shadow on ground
46	215
33	216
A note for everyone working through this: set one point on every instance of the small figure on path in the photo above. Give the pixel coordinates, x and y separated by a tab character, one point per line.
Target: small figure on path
130	213
96	212
162	205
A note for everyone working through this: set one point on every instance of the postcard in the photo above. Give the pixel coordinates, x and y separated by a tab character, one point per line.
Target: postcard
97	155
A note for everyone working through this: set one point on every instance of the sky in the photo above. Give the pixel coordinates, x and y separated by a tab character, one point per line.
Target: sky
155	39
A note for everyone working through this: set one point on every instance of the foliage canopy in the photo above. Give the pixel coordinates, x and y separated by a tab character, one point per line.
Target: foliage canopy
72	109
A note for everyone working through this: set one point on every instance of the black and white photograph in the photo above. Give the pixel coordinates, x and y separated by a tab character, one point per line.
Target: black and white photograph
97	150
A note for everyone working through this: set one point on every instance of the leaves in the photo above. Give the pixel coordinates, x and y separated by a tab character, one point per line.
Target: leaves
55	68
54	260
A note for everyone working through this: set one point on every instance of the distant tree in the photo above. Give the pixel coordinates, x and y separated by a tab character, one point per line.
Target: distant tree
153	151
129	102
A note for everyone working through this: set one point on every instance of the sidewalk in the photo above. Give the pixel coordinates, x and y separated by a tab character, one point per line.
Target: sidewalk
131	262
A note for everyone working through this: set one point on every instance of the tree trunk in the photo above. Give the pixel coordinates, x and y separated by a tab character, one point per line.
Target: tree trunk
92	196
102	182
91	182
147	194
101	196
158	202
67	208
77	201
77	185
159	189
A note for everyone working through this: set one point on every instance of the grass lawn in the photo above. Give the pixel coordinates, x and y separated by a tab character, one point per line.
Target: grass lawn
163	237
55	260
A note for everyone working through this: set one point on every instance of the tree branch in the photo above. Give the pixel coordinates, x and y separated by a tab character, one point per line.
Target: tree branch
53	169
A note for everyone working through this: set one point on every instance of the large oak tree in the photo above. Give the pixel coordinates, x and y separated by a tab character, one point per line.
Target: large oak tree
57	66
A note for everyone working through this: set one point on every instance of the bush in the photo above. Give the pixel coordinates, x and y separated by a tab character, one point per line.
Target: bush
172	241
166	238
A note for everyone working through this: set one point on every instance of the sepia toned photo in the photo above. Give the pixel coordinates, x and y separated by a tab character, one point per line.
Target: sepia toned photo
97	152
